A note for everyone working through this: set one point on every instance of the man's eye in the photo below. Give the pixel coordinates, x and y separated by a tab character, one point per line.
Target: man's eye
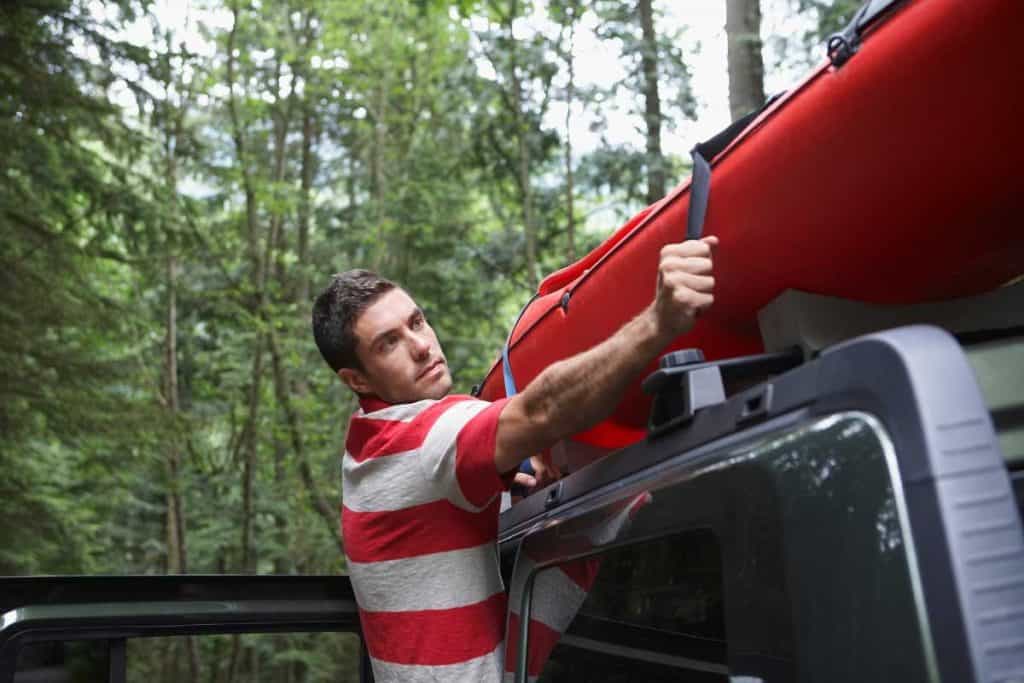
418	322
388	344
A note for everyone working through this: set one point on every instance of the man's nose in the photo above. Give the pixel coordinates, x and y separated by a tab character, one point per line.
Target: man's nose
420	345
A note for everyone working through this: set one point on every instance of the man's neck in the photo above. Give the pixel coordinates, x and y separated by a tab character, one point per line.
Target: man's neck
371	404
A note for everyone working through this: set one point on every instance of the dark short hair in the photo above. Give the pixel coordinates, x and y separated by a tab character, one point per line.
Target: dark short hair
336	311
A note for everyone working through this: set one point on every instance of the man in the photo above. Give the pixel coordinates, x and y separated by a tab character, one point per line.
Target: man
423	471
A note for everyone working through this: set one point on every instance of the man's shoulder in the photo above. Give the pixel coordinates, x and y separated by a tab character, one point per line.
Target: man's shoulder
407	425
407	412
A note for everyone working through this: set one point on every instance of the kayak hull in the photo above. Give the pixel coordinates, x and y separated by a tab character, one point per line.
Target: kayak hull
892	179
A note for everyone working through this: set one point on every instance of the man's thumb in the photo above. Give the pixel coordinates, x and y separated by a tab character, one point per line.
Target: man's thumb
524	479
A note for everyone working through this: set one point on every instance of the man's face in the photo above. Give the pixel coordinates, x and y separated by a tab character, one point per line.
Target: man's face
401	357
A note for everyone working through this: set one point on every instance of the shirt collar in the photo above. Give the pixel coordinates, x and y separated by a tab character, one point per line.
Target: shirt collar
371	404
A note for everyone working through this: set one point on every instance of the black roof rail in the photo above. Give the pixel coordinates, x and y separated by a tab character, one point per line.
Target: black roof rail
113	608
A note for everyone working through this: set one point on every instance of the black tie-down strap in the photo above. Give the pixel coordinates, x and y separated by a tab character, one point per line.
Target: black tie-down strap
843	45
700	181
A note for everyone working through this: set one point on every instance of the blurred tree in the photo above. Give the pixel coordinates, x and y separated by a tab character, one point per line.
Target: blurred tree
746	66
567	13
830	15
822	18
72	210
170	208
512	143
656	73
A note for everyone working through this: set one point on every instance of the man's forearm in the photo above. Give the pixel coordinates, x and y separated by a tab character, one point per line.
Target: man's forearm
576	393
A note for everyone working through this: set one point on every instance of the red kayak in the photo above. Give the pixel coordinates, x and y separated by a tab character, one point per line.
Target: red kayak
888	176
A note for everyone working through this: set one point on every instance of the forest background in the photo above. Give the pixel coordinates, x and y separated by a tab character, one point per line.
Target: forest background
173	196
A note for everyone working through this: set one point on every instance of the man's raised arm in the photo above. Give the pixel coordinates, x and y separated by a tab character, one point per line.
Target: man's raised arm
575	394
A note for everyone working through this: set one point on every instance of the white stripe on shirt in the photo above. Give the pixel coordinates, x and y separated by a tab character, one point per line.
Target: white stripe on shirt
392	482
556	597
438	451
444	580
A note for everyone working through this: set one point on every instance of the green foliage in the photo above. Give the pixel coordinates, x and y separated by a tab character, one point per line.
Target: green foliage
71	206
831	15
822	18
168	214
620	24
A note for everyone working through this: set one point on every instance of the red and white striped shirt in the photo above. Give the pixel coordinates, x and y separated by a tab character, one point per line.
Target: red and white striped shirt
420	519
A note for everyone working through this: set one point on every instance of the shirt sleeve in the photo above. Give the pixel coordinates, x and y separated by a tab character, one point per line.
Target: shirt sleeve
475	468
458	453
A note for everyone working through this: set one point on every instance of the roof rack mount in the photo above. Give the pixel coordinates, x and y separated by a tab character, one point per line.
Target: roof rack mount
685	383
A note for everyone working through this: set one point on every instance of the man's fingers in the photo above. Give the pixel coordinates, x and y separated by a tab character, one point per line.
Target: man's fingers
698	303
697	283
679	281
691	297
549	474
685	282
544	470
698	265
524	479
688	248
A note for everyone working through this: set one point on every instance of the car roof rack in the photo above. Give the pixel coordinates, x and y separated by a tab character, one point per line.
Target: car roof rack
696	398
685	383
920	385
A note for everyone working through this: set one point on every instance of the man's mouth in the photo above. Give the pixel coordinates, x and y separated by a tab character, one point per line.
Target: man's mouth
430	368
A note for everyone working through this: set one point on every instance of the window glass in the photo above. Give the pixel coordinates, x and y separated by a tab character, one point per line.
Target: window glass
794	539
72	661
647	612
284	657
1018	489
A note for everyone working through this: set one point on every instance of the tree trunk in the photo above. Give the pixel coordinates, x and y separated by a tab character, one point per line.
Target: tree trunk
652	103
250	442
320	504
175	532
305	210
382	248
523	152
284	387
570	92
249	432
177	556
746	67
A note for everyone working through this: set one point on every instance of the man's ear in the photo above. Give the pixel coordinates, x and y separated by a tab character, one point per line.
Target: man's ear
355	380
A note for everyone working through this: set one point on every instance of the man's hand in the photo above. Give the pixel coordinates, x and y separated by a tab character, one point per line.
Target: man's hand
574	394
544	472
685	284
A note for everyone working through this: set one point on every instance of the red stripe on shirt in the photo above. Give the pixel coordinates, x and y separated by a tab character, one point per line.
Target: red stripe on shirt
541	639
436	637
474	455
417	530
582	572
370	438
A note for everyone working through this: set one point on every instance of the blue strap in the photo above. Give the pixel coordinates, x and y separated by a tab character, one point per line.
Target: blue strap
510	391
506	371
